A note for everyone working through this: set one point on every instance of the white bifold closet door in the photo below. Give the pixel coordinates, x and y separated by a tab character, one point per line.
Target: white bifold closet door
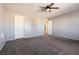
19	26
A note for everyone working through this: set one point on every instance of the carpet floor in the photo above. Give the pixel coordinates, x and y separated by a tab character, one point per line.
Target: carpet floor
41	46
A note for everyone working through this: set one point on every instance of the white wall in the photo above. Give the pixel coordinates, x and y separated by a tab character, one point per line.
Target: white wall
34	25
10	32
66	25
2	26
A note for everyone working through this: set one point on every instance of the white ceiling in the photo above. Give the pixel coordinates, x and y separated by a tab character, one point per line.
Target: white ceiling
32	8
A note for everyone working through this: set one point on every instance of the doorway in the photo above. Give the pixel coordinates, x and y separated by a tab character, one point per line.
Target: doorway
46	28
19	26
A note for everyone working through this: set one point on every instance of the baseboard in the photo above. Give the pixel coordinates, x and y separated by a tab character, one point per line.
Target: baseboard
2	45
33	36
11	39
66	37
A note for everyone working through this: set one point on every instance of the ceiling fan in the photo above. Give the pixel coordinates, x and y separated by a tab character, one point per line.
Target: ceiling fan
48	7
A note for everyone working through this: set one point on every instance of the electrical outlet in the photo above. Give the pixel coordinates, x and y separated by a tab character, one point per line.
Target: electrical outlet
2	34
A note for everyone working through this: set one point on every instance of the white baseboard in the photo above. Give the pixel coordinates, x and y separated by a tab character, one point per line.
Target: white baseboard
33	36
2	45
66	37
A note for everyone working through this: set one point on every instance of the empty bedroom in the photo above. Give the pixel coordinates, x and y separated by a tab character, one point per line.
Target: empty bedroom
39	28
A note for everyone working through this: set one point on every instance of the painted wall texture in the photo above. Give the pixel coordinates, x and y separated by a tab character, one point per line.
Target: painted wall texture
10	32
66	25
2	26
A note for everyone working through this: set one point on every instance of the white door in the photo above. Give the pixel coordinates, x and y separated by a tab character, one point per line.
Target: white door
19	26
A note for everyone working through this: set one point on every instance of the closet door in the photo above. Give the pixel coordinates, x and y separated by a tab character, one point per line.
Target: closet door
19	26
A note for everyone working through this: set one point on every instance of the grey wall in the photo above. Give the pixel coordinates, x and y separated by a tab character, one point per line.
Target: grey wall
2	26
66	25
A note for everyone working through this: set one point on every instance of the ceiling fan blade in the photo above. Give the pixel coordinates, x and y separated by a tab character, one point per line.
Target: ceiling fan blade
54	8
43	9
51	4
